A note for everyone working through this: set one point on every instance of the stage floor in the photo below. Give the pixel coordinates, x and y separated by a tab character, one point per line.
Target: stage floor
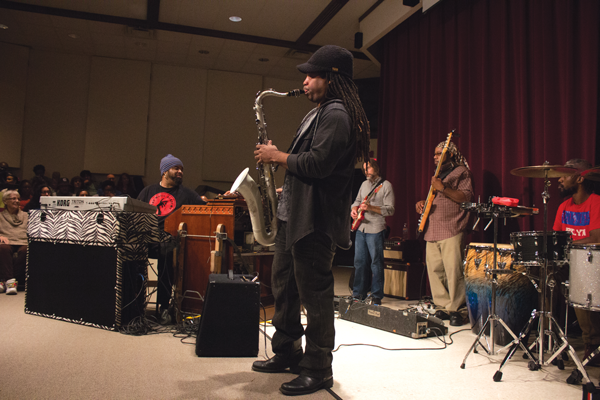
47	358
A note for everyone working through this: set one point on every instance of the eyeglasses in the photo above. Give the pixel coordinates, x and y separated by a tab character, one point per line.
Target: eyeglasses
12	199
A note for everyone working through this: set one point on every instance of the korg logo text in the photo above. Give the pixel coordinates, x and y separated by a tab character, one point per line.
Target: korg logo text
63	203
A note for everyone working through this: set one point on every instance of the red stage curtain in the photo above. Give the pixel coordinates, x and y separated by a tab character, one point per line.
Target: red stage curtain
518	80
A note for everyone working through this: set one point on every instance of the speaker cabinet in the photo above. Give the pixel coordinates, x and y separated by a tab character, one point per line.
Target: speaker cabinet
404	280
85	284
230	318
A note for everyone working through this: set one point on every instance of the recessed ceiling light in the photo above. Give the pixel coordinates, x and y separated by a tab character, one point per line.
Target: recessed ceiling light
2	26
263	59
73	36
235	19
203	51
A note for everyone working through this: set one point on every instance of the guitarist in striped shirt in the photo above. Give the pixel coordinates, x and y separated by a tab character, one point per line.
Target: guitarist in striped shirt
374	202
444	234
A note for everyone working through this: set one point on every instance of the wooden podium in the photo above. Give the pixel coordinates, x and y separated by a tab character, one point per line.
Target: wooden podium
195	227
201	252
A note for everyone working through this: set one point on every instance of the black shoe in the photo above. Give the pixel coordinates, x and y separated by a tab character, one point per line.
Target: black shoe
443	315
278	364
305	385
376	301
456	319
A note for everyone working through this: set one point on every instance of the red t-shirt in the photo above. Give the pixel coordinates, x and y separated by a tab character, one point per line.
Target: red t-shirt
579	219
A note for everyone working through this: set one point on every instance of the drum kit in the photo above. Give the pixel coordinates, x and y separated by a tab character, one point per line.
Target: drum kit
531	257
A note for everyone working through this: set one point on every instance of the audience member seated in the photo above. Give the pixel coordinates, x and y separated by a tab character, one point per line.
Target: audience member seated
13	239
40	177
3	170
88	182
64	188
83	193
38	192
77	185
108	189
126	187
9	182
55	182
25	192
109	178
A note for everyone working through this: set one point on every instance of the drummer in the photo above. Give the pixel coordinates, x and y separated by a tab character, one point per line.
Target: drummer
580	215
444	234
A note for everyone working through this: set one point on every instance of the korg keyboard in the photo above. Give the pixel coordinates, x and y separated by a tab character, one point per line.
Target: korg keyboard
98	203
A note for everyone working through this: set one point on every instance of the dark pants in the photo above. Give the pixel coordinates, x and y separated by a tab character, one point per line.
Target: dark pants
302	276
12	267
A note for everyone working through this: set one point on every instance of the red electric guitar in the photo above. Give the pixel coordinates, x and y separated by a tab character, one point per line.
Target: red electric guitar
360	217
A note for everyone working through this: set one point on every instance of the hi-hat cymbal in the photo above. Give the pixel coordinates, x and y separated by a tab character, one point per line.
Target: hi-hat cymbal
544	171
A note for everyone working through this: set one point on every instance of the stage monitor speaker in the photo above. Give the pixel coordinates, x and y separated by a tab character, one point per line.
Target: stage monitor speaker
88	285
403	322
230	318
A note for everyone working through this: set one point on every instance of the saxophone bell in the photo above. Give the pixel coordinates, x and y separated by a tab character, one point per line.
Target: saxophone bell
245	185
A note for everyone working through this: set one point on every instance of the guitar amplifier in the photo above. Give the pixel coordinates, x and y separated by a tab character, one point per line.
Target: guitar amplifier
404	250
404	280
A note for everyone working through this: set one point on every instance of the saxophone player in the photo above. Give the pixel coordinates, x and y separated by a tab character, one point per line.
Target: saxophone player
313	218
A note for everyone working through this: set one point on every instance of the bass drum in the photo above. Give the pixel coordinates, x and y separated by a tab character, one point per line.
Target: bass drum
584	276
516	297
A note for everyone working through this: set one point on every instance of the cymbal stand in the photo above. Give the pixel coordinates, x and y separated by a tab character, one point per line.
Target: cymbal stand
554	330
494	271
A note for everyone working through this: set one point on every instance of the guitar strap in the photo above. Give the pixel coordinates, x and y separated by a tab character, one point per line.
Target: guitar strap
375	187
447	171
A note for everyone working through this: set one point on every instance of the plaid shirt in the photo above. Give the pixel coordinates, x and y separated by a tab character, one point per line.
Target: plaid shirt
446	219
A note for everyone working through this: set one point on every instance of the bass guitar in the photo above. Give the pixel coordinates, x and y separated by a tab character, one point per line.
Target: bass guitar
432	191
361	213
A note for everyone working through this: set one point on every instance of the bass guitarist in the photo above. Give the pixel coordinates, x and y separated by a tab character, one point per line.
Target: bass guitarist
374	202
444	233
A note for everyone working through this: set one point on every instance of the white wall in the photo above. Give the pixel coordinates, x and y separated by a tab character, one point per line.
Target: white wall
13	81
112	116
55	113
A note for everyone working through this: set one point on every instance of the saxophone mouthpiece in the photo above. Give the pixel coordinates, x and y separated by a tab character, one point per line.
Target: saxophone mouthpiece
295	93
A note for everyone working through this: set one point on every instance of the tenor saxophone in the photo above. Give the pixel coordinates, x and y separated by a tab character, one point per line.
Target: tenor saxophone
261	198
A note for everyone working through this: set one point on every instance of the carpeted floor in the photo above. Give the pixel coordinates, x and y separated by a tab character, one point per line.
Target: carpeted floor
42	358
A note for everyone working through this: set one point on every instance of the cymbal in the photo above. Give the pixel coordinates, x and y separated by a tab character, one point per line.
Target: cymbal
543	171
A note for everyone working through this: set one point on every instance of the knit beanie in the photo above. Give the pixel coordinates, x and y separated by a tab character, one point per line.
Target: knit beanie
168	162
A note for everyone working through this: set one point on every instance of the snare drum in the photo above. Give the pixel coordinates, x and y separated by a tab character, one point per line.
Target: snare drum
584	276
529	247
515	295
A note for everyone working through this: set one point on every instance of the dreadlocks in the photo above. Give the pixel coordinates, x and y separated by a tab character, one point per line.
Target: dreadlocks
343	88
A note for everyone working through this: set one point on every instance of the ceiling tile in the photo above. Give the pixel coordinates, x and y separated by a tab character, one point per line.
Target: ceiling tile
169	36
111	40
173	47
106	50
270	19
